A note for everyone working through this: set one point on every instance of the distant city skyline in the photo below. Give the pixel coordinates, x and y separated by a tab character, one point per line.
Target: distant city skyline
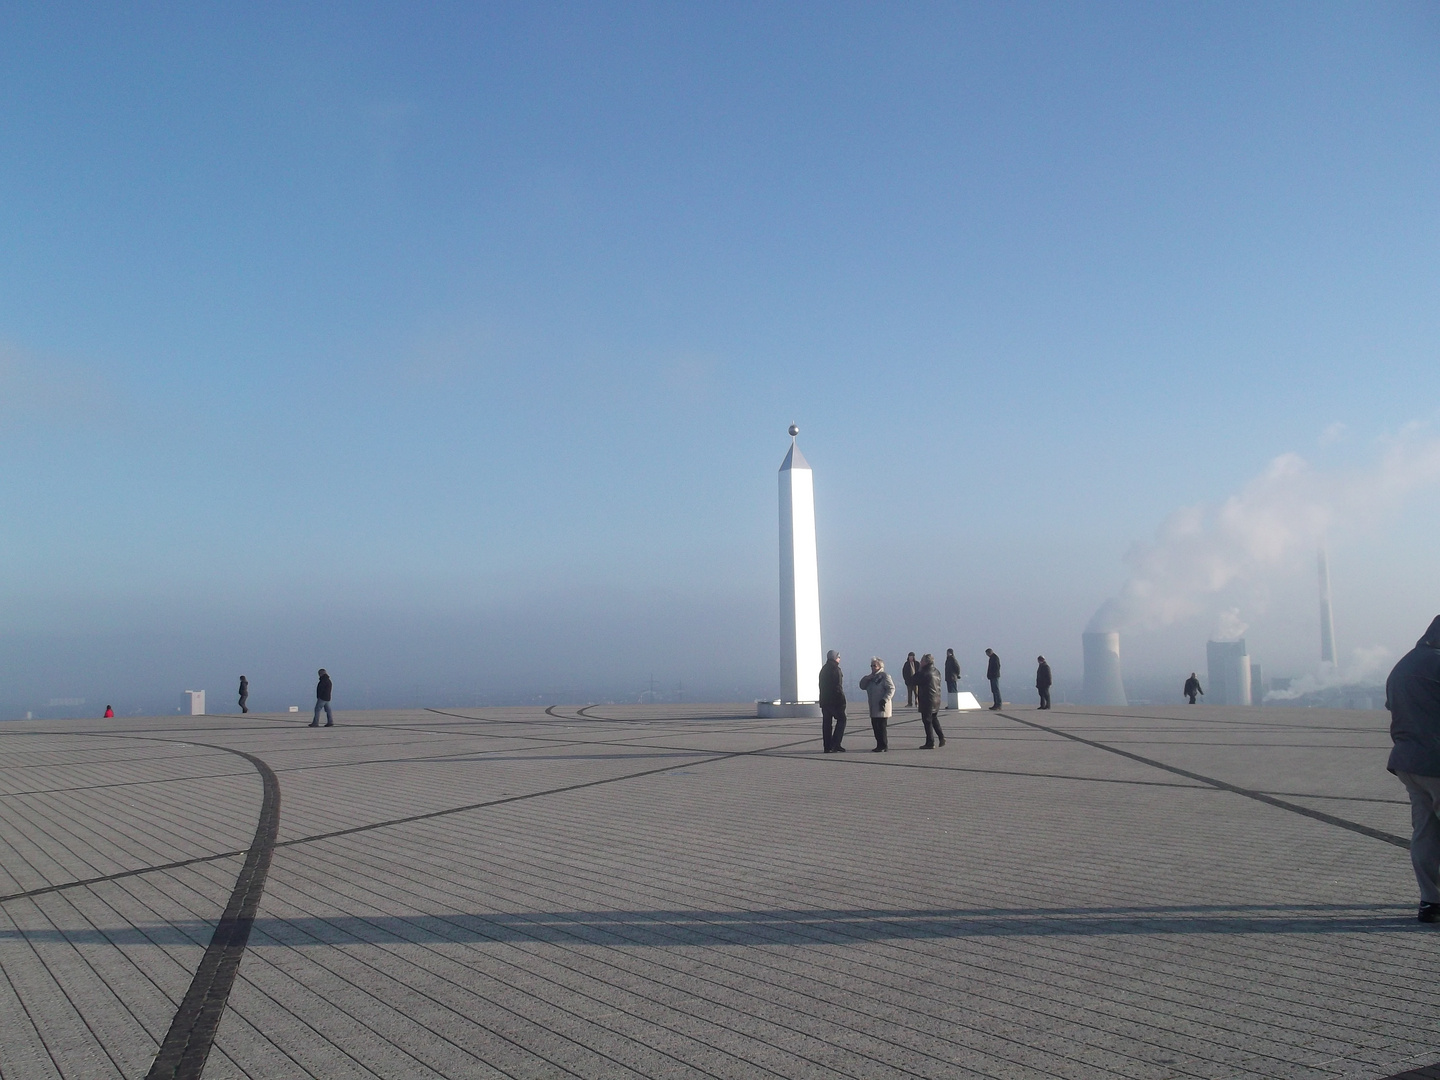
453	350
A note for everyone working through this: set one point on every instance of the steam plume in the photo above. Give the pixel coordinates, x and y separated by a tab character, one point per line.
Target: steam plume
1277	518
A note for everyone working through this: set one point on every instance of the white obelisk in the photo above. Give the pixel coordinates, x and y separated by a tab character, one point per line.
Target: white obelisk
800	657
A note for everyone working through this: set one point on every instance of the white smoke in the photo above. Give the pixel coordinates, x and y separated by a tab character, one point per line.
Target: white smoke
1367	666
1273	522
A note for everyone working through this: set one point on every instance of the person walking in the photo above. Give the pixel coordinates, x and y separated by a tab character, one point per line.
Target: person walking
927	696
109	712
1412	694
322	700
881	689
1042	681
1192	687
832	703
992	672
244	693
952	672
908	674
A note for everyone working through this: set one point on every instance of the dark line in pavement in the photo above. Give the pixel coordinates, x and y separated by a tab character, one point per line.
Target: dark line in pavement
1258	796
82	882
428	815
187	1044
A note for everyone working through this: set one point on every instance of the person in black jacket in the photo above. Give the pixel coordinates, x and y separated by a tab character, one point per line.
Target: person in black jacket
244	693
832	703
322	701
927	696
1412	694
1042	681
992	672
952	672
1192	687
907	672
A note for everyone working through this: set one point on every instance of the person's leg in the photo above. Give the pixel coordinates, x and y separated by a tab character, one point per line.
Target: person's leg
244	698
1425	839
929	730
837	739
827	718
329	716
935	723
877	725
995	692
315	720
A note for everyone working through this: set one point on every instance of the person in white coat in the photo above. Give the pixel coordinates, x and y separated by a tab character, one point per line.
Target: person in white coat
881	689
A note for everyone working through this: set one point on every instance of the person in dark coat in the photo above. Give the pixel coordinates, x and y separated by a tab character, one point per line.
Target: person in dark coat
992	672
880	688
1412	694
244	693
1042	681
1192	687
907	672
927	696
322	700
952	672
832	703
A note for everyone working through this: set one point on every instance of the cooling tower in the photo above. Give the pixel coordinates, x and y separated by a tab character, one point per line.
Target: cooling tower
1327	620
1103	685
1229	673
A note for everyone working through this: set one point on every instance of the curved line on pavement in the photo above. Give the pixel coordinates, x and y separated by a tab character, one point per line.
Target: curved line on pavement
187	1044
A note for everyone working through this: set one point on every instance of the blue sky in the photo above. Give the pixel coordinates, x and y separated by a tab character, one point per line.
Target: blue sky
452	347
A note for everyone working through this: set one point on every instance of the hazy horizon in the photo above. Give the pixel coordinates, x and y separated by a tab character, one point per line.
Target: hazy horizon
453	350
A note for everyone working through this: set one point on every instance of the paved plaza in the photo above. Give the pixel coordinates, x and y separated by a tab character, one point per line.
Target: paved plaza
687	891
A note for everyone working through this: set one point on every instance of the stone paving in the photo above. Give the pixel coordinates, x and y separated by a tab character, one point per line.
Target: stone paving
670	891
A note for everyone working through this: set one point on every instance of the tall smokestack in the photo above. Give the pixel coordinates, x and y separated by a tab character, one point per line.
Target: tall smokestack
1327	620
1103	685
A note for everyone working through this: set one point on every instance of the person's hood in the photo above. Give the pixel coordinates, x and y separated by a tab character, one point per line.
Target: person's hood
1431	637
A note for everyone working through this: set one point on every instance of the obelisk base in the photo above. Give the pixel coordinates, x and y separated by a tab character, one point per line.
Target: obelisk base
772	709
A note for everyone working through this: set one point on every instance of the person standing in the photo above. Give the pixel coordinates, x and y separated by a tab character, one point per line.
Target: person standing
881	689
908	674
1412	694
109	712
1042	681
244	693
992	672
322	700
952	672
832	703
1192	687
927	696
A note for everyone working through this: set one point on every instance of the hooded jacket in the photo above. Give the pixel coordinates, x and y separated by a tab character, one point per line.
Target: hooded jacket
322	688
1412	694
992	669
1042	677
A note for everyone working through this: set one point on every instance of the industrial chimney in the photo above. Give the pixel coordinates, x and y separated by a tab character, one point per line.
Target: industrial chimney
1327	620
1102	669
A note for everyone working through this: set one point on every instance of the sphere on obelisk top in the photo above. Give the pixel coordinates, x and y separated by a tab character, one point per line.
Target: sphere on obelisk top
800	653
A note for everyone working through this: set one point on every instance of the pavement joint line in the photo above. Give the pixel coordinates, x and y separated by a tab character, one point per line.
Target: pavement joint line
1249	793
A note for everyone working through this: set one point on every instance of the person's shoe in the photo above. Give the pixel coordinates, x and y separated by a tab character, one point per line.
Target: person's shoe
878	750
928	746
994	708
314	723
330	723
1429	913
839	749
942	739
